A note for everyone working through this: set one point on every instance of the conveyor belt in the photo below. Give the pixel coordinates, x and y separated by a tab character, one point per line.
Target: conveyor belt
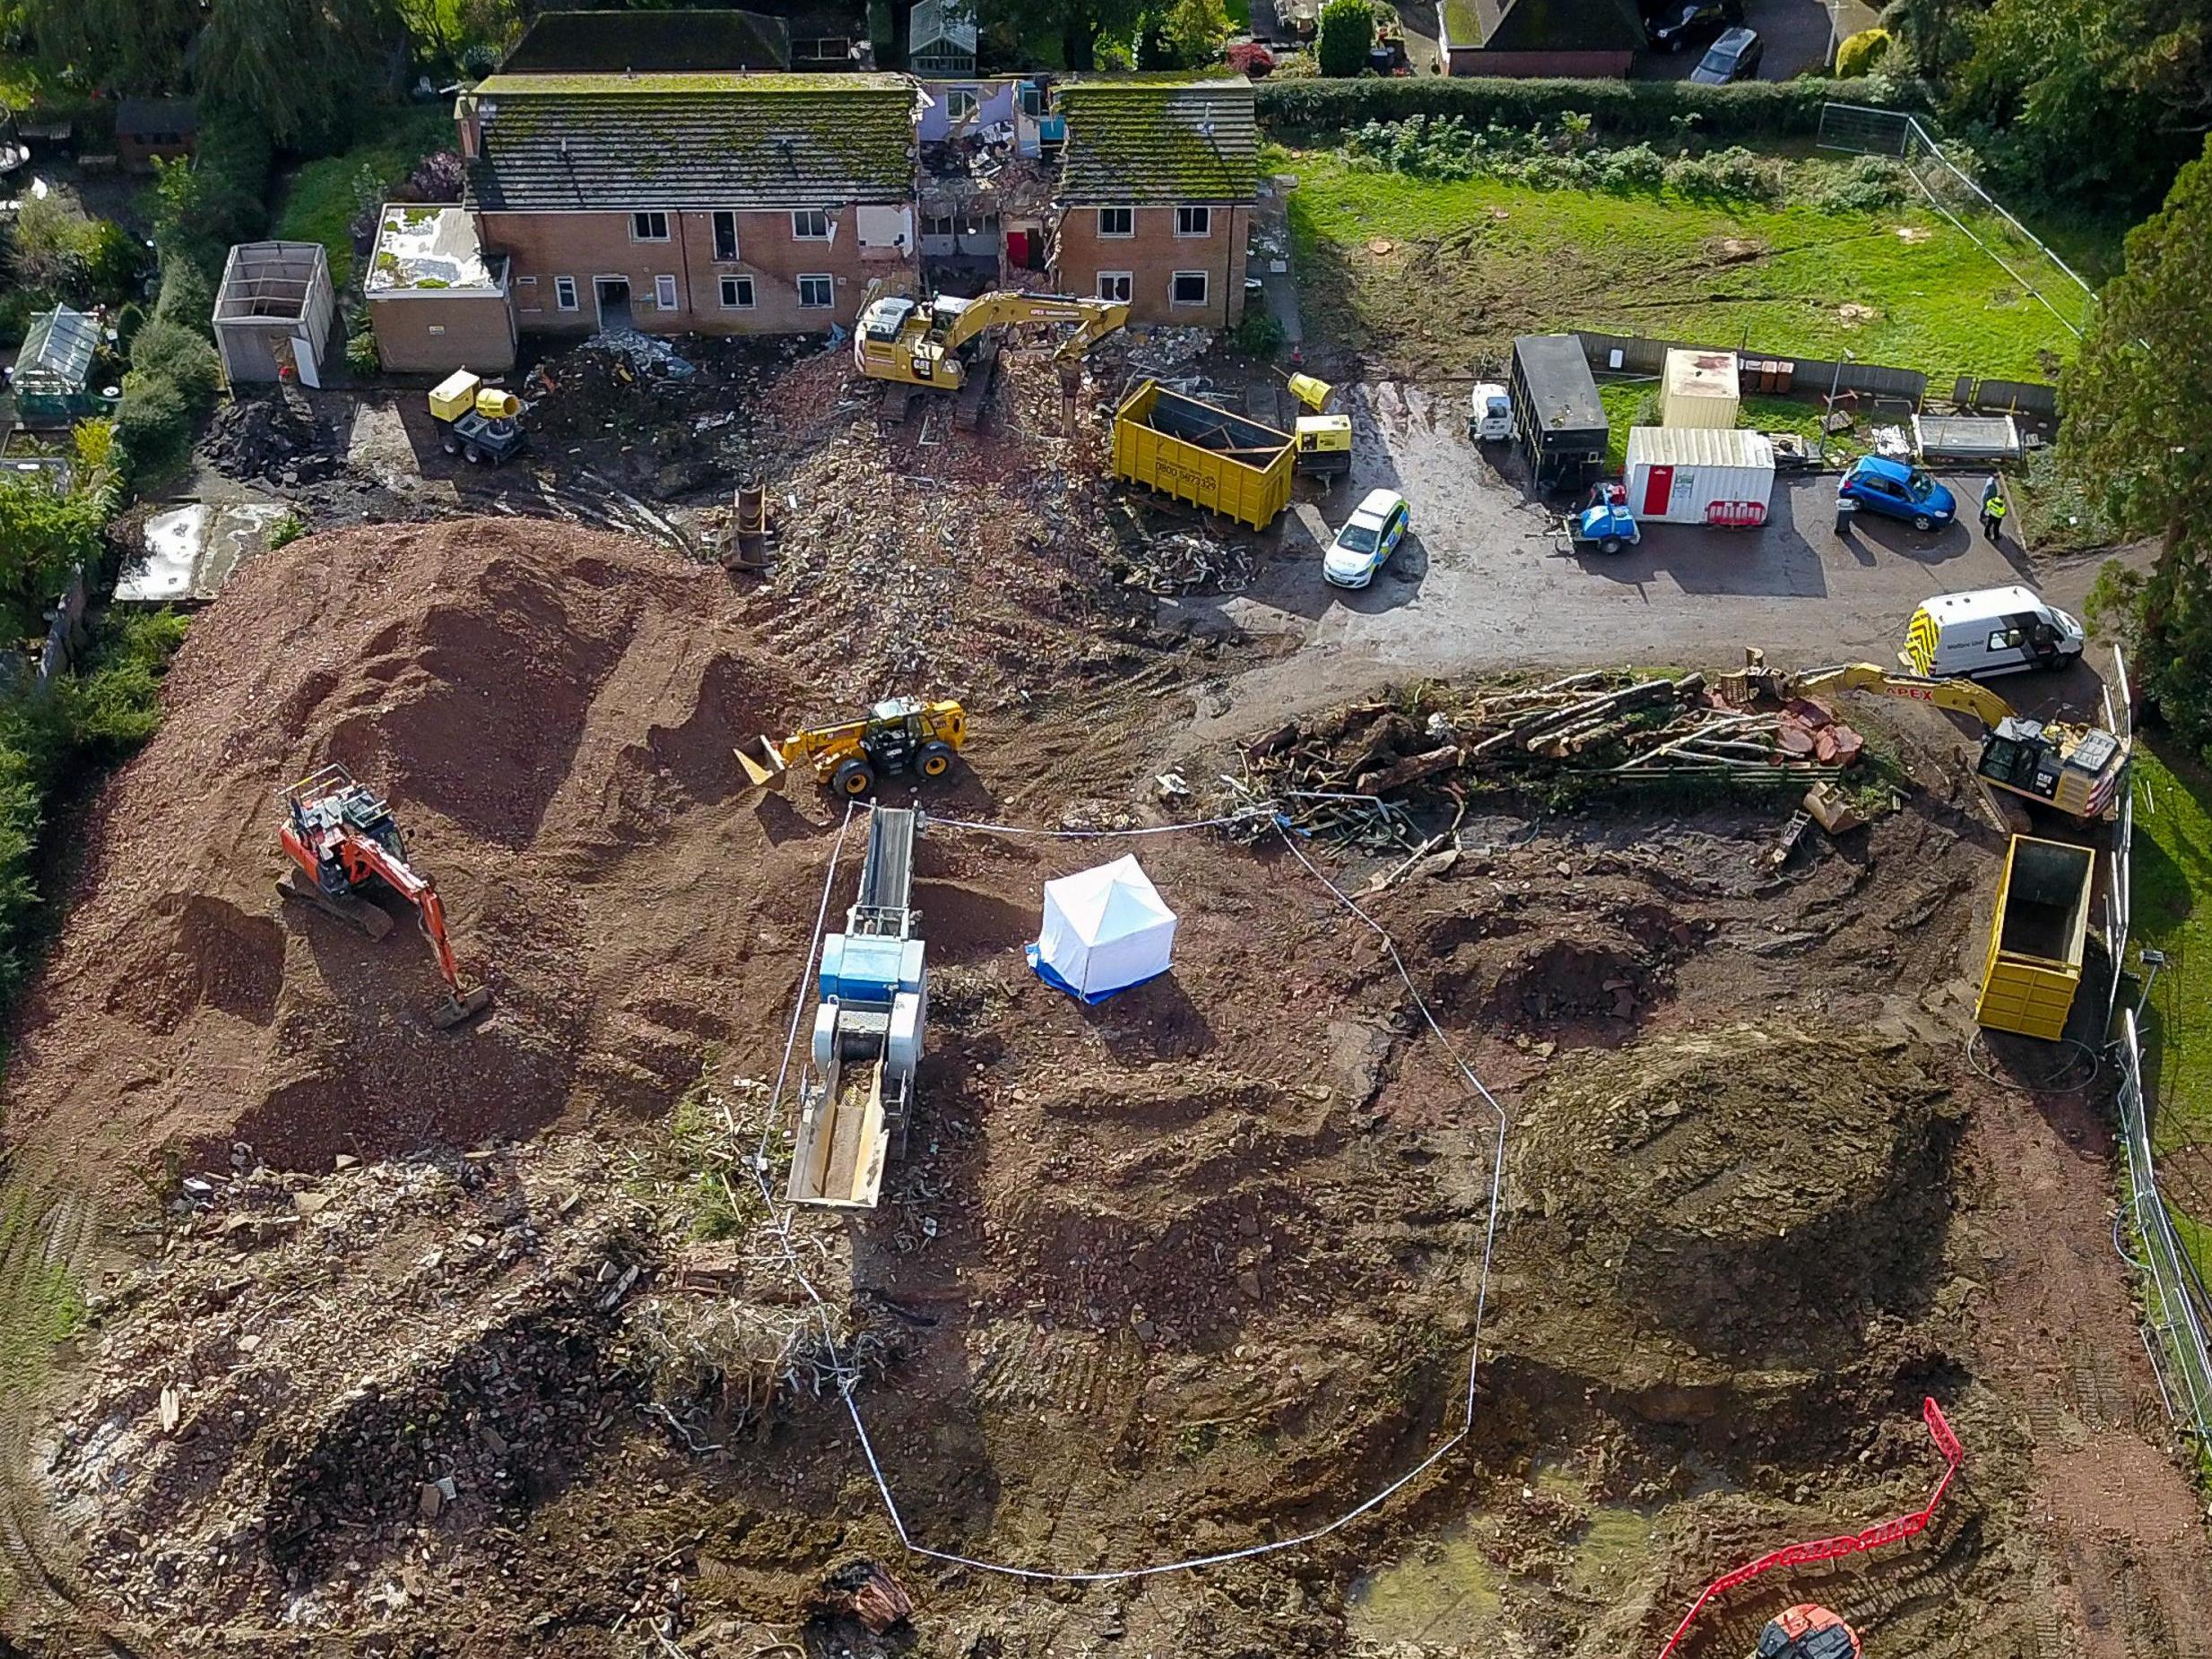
887	874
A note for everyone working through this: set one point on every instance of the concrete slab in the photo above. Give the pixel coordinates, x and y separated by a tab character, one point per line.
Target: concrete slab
192	550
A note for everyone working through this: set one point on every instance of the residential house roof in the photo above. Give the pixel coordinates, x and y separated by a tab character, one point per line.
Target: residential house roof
1159	140
1555	25
609	42
604	143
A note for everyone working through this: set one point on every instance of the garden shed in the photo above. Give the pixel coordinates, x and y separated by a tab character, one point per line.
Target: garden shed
274	307
940	41
53	373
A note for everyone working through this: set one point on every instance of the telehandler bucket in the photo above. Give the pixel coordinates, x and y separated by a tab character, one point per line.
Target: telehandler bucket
763	774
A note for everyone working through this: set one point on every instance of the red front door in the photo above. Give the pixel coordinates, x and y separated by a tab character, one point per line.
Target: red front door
1658	485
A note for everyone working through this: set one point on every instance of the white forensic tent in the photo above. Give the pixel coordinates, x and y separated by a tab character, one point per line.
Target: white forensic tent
1105	930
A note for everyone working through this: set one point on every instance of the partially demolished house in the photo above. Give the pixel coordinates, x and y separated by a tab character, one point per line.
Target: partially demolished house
722	202
1156	196
691	201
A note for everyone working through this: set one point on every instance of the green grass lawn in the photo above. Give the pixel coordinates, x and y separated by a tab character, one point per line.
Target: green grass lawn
320	202
1470	264
2173	870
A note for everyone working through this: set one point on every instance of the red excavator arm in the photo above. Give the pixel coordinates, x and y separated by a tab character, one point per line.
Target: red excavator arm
342	835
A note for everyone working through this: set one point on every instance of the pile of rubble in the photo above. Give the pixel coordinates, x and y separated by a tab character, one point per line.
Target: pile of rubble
1187	562
274	435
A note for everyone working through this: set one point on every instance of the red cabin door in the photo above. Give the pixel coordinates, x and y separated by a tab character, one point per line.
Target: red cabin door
1657	486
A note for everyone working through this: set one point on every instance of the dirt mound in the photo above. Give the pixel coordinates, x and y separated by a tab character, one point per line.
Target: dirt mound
552	713
1754	1195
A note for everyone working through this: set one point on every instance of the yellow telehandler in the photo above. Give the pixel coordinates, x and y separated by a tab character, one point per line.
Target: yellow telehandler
903	734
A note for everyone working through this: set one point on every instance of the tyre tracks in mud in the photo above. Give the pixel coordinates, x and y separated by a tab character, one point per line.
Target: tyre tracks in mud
46	1232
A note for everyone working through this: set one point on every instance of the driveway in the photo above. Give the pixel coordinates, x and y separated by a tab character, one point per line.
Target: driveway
1796	33
1483	582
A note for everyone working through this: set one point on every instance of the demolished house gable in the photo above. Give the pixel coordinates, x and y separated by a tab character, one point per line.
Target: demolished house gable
614	142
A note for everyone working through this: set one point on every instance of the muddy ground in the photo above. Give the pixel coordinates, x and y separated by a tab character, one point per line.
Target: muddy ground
409	1342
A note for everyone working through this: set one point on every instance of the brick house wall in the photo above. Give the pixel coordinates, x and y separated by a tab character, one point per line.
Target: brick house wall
424	332
1152	254
771	258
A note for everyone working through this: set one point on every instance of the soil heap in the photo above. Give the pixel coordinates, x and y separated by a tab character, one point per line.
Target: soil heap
1731	1200
552	713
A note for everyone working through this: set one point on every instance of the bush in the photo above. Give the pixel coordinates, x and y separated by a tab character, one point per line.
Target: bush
1346	37
1444	148
1866	184
1857	56
111	706
153	425
184	358
186	298
1258	333
1618	109
205	205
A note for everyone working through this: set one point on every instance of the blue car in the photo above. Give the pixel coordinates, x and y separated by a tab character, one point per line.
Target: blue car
1896	490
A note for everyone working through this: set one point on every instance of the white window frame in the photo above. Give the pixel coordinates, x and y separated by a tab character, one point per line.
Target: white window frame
807	215
1205	287
829	282
664	293
1130	218
647	214
729	286
721	213
1124	287
564	293
1204	221
953	95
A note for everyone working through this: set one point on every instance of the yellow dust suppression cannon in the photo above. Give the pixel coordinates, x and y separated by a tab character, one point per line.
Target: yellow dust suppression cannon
903	734
481	422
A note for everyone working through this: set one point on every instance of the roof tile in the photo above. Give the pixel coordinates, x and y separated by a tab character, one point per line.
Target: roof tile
1159	141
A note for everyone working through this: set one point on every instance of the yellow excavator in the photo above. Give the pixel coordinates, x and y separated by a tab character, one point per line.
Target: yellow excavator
944	341
2079	770
902	735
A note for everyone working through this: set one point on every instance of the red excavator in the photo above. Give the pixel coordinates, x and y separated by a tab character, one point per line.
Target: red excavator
342	836
1808	1631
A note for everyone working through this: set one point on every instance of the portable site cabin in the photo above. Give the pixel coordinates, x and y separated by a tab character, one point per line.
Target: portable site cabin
53	373
1105	929
1699	388
2038	938
1699	475
1558	422
274	307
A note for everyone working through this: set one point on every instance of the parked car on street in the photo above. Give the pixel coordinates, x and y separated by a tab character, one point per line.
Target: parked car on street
1896	490
1367	540
1734	57
1688	23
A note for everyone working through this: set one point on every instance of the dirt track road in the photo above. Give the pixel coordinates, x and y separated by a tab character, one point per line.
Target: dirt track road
1482	584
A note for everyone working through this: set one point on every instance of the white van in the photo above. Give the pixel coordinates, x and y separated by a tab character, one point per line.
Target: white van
1489	413
1993	630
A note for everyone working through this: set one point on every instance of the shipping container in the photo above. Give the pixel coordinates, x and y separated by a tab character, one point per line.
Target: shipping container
1200	453
1558	423
1699	388
1698	475
2037	939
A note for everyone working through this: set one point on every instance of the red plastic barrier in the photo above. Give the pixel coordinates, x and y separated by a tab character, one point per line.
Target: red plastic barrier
1874	1537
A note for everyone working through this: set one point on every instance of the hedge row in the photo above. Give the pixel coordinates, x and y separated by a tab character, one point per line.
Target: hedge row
174	375
1623	109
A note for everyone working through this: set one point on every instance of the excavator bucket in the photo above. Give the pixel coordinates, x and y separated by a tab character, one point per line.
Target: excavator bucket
453	1009
764	773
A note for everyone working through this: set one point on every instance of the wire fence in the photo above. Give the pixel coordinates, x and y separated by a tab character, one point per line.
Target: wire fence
2042	278
2176	1327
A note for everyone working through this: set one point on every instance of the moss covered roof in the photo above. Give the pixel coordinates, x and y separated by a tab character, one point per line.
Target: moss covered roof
588	142
1159	139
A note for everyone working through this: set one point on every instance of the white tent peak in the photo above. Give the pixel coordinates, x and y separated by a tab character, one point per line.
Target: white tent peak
1104	930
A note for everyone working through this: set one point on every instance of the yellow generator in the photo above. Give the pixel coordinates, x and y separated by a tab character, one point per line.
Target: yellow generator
1324	440
481	422
2037	940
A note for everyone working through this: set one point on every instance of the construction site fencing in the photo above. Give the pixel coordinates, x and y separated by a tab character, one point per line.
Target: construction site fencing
1639	355
2042	277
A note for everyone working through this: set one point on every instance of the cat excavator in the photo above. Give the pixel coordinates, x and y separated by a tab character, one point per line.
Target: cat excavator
2077	768
343	838
948	344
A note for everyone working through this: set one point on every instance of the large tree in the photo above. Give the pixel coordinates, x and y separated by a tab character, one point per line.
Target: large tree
2139	422
2097	100
1076	26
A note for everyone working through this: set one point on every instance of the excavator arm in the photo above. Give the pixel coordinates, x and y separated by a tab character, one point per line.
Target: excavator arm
1963	696
1096	319
362	858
